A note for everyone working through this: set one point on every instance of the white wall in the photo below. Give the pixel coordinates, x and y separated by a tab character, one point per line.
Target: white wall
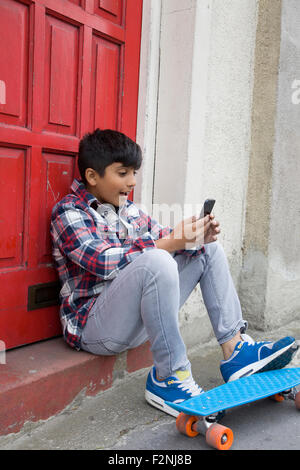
195	125
216	119
148	95
204	68
283	295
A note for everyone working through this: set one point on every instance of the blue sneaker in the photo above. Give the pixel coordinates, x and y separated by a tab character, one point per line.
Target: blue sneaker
176	388
250	357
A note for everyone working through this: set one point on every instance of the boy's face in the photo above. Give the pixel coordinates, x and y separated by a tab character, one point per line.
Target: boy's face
115	186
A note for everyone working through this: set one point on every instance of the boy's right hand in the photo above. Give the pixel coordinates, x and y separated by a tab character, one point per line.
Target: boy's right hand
192	232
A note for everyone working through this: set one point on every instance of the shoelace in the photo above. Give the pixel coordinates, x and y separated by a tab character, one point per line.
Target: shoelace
190	385
251	341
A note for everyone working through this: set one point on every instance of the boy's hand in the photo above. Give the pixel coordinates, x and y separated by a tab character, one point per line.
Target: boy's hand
190	232
193	231
213	231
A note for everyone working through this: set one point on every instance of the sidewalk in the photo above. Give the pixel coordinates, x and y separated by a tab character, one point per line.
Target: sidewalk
119	417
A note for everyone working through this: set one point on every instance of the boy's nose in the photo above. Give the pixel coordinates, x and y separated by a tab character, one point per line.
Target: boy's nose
132	182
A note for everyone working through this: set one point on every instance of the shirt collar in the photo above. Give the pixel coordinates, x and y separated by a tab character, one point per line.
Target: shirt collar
80	191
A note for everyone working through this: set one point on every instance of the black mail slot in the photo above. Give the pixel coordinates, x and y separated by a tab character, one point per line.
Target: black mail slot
43	295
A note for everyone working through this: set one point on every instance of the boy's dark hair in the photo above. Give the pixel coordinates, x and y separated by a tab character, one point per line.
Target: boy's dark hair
101	148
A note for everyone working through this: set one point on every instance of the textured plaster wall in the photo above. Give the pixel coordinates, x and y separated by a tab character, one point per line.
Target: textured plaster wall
270	276
216	119
283	293
253	280
204	122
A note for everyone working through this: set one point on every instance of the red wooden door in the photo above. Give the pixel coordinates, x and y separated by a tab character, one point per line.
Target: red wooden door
66	67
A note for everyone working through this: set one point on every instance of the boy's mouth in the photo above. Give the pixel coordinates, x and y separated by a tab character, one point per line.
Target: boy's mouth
124	194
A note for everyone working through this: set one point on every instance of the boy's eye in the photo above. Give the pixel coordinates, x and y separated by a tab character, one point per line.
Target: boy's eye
124	173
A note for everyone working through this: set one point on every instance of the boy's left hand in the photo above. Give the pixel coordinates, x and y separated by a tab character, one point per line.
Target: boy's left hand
213	231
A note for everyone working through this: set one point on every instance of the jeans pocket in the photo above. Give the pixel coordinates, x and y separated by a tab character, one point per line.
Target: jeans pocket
107	347
114	346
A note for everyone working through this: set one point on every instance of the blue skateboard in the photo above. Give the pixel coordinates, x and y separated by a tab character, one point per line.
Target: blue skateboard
202	414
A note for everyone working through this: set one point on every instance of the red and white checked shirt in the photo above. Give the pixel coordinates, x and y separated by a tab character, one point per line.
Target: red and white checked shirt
91	244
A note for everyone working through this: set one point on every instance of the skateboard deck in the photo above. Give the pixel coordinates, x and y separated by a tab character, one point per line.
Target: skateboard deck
240	392
232	394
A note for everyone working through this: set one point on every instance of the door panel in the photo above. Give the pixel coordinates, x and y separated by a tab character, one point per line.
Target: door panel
12	182
61	76
66	67
105	71
111	10
14	54
56	178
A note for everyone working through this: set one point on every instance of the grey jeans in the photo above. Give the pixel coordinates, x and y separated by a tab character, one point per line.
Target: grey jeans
142	303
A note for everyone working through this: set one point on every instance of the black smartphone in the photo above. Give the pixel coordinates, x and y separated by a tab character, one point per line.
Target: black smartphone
207	207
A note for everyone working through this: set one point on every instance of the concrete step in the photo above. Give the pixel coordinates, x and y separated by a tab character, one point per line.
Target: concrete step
39	380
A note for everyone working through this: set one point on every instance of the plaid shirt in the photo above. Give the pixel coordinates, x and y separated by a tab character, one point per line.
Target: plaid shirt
91	244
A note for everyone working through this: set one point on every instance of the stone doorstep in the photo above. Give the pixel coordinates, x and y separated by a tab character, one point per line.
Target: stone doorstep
40	380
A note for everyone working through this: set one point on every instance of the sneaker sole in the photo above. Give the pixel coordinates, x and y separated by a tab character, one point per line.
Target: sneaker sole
270	363
281	362
159	403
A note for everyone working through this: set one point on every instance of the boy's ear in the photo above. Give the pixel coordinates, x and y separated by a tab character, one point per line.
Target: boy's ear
91	176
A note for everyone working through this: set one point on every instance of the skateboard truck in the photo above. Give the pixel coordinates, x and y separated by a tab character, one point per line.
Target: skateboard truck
204	422
216	435
292	394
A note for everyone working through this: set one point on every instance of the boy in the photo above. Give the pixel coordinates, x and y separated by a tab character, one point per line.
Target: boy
124	277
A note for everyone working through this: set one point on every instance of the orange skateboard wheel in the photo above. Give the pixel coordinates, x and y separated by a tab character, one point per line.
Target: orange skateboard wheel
184	424
219	437
277	397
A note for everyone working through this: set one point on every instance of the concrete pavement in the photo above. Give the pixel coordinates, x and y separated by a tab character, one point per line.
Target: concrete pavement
119	418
